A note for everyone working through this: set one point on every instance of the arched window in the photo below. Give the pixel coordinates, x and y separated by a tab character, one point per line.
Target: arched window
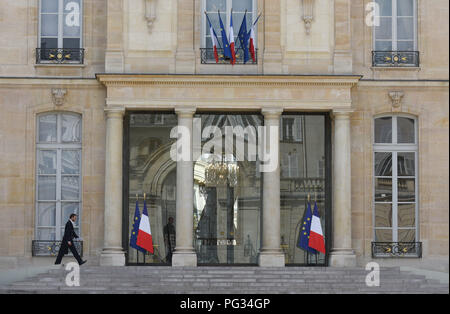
395	179
58	173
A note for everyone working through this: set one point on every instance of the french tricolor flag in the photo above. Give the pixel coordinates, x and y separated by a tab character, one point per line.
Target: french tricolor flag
316	240
214	39
144	237
231	34
251	47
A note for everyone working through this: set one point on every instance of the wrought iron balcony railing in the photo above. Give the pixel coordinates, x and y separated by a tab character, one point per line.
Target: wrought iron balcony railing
51	248
207	56
59	55
396	249
395	58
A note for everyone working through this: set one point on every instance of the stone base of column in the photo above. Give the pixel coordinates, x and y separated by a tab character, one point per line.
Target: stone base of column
271	260
184	259
112	257
342	258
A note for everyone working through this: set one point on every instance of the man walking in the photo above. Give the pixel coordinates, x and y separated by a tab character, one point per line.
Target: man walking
67	242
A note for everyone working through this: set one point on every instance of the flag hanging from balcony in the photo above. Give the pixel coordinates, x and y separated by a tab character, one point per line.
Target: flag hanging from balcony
243	37
231	34
252	40
225	44
305	228
316	240
144	238
214	39
134	231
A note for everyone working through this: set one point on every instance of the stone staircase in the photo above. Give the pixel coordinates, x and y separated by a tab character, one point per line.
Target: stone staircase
226	280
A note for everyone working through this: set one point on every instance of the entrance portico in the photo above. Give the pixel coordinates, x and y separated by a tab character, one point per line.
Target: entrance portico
271	95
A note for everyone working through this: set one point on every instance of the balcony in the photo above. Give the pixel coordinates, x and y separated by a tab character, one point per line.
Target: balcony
397	249
395	59
51	248
59	55
207	56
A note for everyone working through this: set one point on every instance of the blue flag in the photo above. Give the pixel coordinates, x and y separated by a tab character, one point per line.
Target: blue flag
305	229
244	37
225	44
134	231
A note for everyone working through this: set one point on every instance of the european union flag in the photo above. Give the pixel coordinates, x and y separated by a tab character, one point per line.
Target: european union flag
134	231
244	37
225	44
305	229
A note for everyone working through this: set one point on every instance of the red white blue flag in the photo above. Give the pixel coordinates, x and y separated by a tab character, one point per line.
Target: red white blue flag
316	239
214	39
144	238
231	41
252	42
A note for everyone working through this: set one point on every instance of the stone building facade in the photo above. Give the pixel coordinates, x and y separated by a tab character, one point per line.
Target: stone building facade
369	102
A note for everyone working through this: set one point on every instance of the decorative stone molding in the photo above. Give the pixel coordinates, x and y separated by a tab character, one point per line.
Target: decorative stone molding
150	12
396	99
308	14
58	96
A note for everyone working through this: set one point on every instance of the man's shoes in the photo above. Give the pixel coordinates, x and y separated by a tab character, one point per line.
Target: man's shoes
82	262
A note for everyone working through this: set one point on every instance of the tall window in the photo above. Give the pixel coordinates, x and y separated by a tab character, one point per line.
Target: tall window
398	26
395	181
60	26
224	6
58	173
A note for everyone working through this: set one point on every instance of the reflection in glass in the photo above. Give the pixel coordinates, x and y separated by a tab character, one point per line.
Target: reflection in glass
71	161
46	214
302	158
71	128
70	187
406	215
47	128
383	164
406	190
406	164
383	235
406	235
383	130
46	234
383	190
405	130
383	215
47	162
67	210
46	188
152	171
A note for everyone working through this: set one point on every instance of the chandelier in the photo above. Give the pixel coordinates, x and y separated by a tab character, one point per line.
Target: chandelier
222	172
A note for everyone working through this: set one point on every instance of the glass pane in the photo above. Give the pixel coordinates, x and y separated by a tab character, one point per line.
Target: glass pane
406	215
383	130
71	128
406	164
72	18
385	7
49	25
47	128
383	45
241	6
70	160
383	235
46	234
384	31
70	187
383	164
406	190
405	45
383	190
405	130
405	7
47	162
383	215
47	43
46	188
67	210
46	214
407	235
71	43
405	28
214	5
49	6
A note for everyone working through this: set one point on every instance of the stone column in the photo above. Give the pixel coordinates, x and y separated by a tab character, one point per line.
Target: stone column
342	254
271	253
113	254
184	254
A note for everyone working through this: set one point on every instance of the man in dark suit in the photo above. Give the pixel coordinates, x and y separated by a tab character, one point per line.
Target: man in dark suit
67	242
